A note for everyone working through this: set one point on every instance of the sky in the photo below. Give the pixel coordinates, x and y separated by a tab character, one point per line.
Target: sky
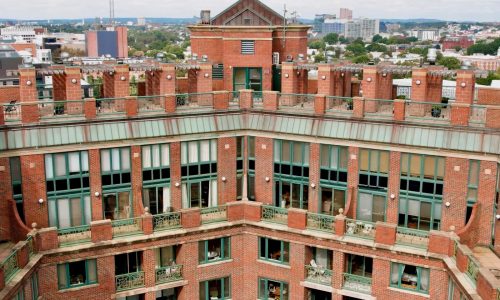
456	10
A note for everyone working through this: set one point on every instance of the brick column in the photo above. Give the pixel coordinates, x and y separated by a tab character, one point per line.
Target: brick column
338	274
384	81
116	82
149	267
370	88
34	188
314	174
338	83
264	167
95	183
226	167
190	218
435	84
246	99
2	116
5	195
204	78
89	109
302	81
399	110
289	79
166	79
380	278
2	279
170	103
340	225
352	181
22	254
455	192
385	233
131	106
320	104
137	181
28	94
221	100
441	242
492	117
347	82
47	239
270	100
419	92
297	218
464	94
101	231
460	113
297	272
392	209
72	84
147	224
359	107
175	175
325	80
485	194
151	88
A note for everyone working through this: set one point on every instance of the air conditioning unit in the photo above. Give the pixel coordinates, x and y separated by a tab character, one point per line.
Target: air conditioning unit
276	58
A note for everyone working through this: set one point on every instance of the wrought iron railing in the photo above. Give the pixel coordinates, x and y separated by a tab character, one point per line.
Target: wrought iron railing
319	275
31	245
151	103
61	109
10	266
258	97
74	235
321	222
129	281
194	100
126	226
358	228
234	97
12	111
378	108
412	237
337	104
427	111
477	115
301	102
472	270
168	274
213	214
166	221
274	214
357	283
110	106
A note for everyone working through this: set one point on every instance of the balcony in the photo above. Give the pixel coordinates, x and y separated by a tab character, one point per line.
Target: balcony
412	237
10	266
360	229
166	221
213	214
319	275
357	283
151	104
168	274
126	227
74	235
129	281
274	214
321	222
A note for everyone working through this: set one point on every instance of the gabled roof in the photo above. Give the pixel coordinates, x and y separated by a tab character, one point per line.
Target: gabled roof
258	8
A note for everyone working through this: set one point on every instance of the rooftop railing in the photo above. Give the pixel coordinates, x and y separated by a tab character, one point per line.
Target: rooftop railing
126	227
61	109
412	237
379	108
166	221
359	228
319	275
472	270
12	111
168	274
321	222
477	115
151	104
213	214
274	214
110	106
129	281
435	112
194	100
74	235
299	102
339	105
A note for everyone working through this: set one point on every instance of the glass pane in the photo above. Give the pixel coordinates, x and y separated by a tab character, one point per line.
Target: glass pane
404	164
62	276
184	151
125	161
227	287
213	150
440	168
339	201
15	168
429	167
363	160
325	156
92	270
374	160
74	162
378	208
343	157
251	146
146	157
63	213
60	164
201	251
365	205
277	151
384	162
415	166
193	152
77	274
85	160
306	154
53	213
49	171
205	150
165	155
334	161
88	209
297	153
155	154
295	196
105	161
262	289
123	205
115	158
285	151
76	212
474	173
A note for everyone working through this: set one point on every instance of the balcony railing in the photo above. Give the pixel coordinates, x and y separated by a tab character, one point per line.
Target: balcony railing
151	104
339	105
194	100
166	221
110	106
477	115
319	275
412	237
299	102
74	235
12	111
357	283
436	112
213	214
379	108
61	109
361	229
472	269
129	281
168	274
10	266
126	227
274	214
31	246
321	222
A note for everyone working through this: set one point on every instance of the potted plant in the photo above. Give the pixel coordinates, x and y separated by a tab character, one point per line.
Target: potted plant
444	101
348	104
403	97
436	111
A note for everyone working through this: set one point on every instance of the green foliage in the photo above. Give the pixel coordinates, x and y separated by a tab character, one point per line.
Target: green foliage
331	38
356	49
320	57
451	63
491	76
362	59
317	44
485	48
375	47
377	38
343	40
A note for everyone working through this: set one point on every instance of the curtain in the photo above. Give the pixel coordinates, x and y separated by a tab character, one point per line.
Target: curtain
184	150
166	199
185	202
277	151
105	161
63	213
334	158
145	199
76	212
165	156
212	198
297	153
124	205
88	209
205	150
384	162
60	164
85	160
74	162
213	150
146	157
62	276
115	157
365	204
125	159
53	213
363	160
49	170
321	257
155	154
395	274
92	270
193	152
424	279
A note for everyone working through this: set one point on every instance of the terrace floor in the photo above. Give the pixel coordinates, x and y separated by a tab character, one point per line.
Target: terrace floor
487	258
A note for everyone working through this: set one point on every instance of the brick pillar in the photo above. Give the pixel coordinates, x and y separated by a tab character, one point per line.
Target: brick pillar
28	94
95	183
338	83
58	83
419	92
338	276
347	82
320	104
264	167
352	181
226	167
297	291
314	174
302	81
359	107
131	106
116	83
246	99
380	278
2	116
370	88
175	175
150	83
5	195
399	110
189	260
147	224
89	109
101	231
464	94
434	86
34	188
190	218
455	192
297	218
460	113
325	80
485	193
385	233
72	84
204	78
441	242
340	225
2	279
137	181
270	100
392	209
149	267
384	82
167	79
289	78
170	103
221	100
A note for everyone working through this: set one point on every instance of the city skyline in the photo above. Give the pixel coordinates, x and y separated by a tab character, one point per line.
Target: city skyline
391	9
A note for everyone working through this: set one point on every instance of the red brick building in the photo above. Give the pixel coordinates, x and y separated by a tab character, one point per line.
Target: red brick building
463	42
246	43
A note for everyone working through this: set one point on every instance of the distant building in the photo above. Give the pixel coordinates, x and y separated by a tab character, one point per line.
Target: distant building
346	14
337	26
463	42
362	28
141	21
21	33
9	60
319	20
425	34
112	41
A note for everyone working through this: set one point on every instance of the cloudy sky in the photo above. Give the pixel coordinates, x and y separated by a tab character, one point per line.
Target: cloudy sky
478	10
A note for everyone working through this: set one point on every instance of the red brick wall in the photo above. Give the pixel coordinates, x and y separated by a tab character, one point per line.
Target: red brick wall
5	196
9	93
226	167
455	192
34	188
264	168
95	183
485	96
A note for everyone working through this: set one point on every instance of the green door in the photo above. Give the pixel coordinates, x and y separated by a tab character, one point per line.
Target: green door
247	78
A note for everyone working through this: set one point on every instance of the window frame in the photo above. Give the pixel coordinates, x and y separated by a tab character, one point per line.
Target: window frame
206	285
163	178
250	146
332	172
84	176
400	274
351	257
121	172
116	192
67	275
83	207
225	253
283	285
377	174
267	256
436	182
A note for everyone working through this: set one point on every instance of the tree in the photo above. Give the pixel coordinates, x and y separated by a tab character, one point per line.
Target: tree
331	38
485	48
319	58
375	47
491	76
343	40
362	59
356	49
317	44
377	38
451	63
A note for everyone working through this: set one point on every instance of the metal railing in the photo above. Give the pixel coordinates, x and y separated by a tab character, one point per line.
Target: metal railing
168	274
321	222
361	229
151	104
110	106
194	100
166	221
337	104
234	97
258	97
60	109
477	115
379	108
301	102
357	283
74	235
319	275
12	111
472	270
412	237
127	226
427	111
31	245
274	214
213	214
129	281
10	266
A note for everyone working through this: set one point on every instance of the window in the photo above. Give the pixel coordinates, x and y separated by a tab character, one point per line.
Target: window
422	175
115	167
19	295
322	258
219	289
16	181
116	205
373	168
332	199
333	164
128	263
166	256
77	273
240	153
274	250
34	286
410	277
371	207
251	167
69	211
247	47
420	214
67	172
218	71
214	250
157	199
156	178
472	186
272	289
359	265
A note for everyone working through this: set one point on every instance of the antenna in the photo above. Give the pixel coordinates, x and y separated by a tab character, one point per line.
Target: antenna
284	25
111	12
